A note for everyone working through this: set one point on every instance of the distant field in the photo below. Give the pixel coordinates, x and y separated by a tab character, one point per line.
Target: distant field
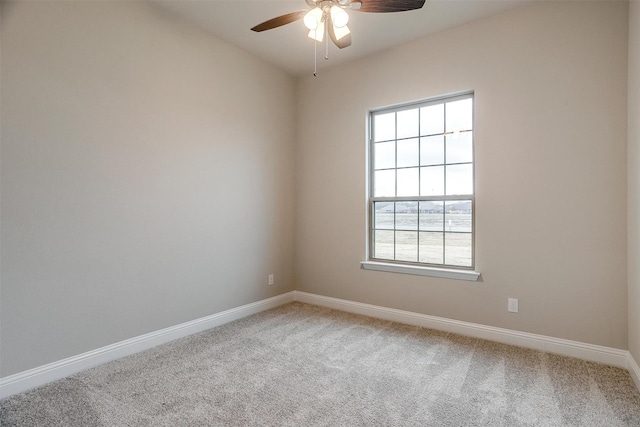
430	238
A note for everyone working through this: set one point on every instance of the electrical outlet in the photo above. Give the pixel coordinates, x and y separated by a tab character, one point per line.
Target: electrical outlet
271	279
512	305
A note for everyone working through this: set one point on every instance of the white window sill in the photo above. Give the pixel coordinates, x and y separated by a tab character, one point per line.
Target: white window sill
446	273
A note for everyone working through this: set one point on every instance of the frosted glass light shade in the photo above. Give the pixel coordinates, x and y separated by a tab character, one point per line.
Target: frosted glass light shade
313	18
318	33
339	17
340	32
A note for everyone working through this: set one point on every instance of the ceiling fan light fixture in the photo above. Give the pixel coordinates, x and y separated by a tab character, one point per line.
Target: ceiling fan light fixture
339	16
313	18
331	16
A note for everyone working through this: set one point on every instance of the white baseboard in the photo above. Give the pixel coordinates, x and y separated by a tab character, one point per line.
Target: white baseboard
594	353
42	375
634	370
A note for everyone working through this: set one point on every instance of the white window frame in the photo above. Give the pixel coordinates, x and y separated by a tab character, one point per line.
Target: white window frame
408	267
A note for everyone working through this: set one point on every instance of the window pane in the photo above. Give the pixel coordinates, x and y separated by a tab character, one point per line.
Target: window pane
459	115
431	216
384	155
383	215
383	244
458	216
458	249
459	179
408	152
406	215
432	119
408	180
408	121
432	150
407	246
384	127
432	181
431	247
384	183
459	147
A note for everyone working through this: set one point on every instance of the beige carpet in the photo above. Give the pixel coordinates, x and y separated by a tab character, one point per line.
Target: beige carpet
301	365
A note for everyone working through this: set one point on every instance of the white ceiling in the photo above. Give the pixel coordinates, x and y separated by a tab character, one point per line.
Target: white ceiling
289	48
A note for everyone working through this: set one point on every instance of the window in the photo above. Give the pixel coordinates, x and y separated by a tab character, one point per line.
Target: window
421	192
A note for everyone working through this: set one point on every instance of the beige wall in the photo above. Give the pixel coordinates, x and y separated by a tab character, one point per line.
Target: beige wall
550	84
633	215
147	173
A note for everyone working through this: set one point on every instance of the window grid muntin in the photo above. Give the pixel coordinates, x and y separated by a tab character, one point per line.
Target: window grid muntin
440	198
443	231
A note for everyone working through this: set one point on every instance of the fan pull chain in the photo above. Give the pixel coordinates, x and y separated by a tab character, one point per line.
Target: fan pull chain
326	49
315	58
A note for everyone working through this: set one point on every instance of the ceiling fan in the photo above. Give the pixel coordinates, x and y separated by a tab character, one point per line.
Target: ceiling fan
331	15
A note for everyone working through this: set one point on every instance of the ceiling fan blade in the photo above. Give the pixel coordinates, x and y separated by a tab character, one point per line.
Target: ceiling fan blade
280	21
343	42
384	6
